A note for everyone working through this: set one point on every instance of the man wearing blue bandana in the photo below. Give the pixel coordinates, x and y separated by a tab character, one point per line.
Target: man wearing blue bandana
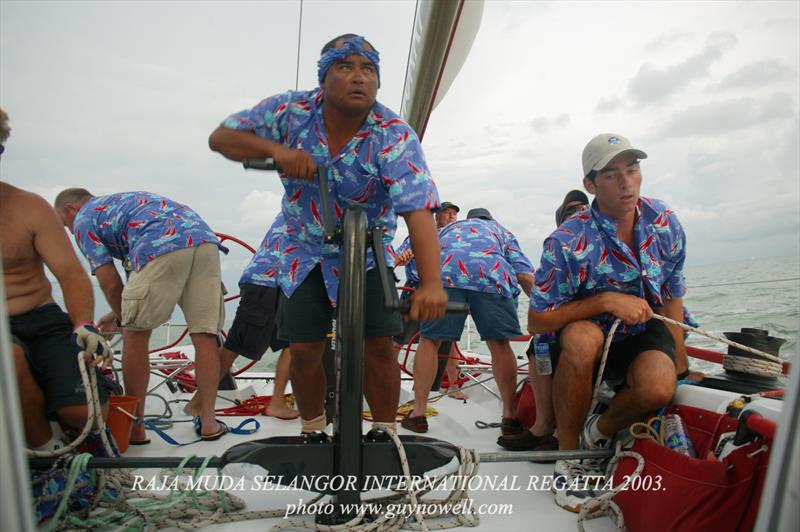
622	258
373	160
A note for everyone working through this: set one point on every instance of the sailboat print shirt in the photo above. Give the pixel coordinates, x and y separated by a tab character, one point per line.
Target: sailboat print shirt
483	256
584	257
381	169
264	267
136	227
411	266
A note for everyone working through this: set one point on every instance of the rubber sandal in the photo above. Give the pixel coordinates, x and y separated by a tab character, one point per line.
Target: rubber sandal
140	442
217	435
198	429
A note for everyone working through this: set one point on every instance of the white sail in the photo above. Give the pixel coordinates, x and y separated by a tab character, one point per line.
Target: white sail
442	37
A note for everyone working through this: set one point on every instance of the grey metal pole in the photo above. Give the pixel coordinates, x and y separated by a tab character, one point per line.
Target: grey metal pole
16	505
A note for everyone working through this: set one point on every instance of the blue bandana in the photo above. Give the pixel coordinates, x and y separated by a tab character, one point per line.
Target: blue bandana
351	46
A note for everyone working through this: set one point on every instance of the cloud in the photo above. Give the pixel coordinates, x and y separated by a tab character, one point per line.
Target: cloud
259	207
755	74
666	41
722	117
542	124
653	85
609	104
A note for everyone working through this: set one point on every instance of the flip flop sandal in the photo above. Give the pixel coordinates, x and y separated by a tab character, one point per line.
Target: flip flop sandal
198	429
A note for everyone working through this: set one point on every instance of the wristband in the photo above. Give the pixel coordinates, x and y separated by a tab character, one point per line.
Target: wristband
682	375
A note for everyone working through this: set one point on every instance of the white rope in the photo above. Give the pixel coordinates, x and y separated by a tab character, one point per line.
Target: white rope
604	504
768	366
603	359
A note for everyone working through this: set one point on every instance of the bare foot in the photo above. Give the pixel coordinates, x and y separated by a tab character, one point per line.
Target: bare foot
279	409
456	393
192	408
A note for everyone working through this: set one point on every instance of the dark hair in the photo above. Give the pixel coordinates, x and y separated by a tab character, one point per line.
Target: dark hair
330	44
591	175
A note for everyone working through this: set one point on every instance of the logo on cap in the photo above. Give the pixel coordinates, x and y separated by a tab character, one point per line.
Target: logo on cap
613	140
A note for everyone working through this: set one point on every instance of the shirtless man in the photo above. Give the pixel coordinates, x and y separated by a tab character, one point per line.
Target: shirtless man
45	339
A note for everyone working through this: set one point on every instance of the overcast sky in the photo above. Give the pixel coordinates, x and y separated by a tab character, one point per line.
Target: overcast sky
117	96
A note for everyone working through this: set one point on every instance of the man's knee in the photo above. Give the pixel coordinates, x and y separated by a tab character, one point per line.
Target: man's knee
497	345
73	415
652	379
580	343
306	354
379	348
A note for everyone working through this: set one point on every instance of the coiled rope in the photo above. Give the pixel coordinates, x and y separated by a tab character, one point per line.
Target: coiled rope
766	366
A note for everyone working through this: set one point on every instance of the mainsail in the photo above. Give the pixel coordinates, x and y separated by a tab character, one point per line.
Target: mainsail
442	37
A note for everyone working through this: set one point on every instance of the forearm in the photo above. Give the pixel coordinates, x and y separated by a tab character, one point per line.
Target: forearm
425	244
78	296
241	145
525	282
673	309
111	285
581	309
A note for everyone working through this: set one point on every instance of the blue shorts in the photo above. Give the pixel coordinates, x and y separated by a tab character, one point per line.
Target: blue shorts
495	317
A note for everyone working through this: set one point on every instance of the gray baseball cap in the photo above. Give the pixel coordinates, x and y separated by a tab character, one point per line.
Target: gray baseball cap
448	205
604	147
480	212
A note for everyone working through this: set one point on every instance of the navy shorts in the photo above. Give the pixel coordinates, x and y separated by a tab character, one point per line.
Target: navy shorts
307	315
621	354
495	317
253	329
45	336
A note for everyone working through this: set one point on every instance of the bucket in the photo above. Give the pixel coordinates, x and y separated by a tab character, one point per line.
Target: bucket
118	423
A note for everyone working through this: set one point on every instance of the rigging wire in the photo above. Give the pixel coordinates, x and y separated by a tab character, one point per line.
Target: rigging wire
299	37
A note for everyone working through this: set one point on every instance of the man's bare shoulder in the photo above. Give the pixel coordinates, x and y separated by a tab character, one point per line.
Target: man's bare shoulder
26	217
21	200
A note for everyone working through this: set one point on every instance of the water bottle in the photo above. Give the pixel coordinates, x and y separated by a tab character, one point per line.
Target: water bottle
676	437
544	365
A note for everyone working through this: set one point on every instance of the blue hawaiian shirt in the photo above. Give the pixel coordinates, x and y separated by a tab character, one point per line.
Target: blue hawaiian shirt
482	256
411	266
382	170
136	227
584	257
264	267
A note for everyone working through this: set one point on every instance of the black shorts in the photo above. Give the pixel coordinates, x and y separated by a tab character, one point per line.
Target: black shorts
410	327
306	316
621	354
253	328
45	336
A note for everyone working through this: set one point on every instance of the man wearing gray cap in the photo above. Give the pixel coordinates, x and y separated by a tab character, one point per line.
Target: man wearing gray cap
621	259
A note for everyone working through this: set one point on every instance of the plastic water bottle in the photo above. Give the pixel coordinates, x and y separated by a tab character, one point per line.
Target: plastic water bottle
544	365
676	437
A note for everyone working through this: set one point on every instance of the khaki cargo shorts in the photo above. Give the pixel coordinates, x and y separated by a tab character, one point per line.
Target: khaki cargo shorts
188	277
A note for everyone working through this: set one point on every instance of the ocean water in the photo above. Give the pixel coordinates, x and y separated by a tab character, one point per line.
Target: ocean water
760	293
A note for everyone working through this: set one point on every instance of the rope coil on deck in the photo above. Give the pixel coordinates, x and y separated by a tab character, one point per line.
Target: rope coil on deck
766	365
